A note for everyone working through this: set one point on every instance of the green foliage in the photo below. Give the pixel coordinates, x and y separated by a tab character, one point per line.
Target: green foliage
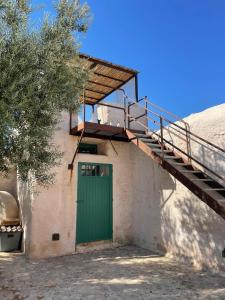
41	76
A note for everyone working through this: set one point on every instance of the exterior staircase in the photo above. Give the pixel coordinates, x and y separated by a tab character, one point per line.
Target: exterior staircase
202	181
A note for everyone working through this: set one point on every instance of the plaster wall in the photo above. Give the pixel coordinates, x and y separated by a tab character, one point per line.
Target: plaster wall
53	210
187	228
146	210
150	208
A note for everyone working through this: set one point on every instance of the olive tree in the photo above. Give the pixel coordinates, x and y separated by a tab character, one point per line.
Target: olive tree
41	76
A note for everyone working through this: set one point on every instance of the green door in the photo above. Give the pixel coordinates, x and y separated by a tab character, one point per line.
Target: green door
94	202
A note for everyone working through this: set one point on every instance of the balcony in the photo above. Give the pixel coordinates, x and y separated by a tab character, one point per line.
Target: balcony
106	79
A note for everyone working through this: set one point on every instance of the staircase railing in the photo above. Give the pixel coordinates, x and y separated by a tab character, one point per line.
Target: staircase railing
171	133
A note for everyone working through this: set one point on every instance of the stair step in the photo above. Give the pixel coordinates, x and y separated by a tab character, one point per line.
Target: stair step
180	164
142	135
153	145
202	179
171	157
148	140
190	171
220	200
165	151
214	189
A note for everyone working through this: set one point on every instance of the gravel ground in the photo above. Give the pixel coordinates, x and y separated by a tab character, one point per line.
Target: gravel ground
119	273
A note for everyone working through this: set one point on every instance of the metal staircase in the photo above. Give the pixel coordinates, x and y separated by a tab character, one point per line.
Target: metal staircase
169	142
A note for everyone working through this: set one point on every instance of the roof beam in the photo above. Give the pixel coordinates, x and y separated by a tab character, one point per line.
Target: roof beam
90	97
109	77
93	66
101	84
107	64
94	91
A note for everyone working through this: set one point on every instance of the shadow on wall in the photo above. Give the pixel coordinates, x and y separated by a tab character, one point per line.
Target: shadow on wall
168	183
170	219
211	157
152	185
191	229
167	188
215	160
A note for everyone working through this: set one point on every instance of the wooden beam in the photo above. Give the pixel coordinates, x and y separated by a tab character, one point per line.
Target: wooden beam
101	84
94	91
108	77
107	64
90	97
93	66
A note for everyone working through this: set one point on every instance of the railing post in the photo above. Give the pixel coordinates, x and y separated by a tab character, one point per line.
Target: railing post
188	144
146	109
125	111
161	135
128	117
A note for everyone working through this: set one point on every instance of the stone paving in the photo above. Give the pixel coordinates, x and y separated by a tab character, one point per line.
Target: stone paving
119	273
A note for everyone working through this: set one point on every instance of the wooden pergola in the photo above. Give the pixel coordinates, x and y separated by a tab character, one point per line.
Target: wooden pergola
105	78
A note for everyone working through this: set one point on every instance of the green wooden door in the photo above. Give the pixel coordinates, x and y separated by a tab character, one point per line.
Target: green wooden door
94	202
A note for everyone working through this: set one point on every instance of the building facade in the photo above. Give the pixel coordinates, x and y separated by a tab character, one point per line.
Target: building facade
115	191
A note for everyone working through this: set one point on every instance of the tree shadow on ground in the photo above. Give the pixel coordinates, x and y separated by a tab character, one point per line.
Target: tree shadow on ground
121	273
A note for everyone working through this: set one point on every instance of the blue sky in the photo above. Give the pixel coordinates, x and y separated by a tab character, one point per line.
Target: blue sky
178	46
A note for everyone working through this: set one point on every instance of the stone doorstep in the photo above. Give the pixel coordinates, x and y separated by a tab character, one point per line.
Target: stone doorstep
91	246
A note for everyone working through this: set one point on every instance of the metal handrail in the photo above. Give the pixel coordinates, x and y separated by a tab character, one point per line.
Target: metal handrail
172	123
164	141
167	112
162	118
180	132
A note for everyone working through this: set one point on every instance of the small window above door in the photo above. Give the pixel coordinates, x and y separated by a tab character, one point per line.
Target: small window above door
88	148
95	170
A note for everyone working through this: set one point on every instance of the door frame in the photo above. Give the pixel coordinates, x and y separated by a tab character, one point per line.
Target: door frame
111	193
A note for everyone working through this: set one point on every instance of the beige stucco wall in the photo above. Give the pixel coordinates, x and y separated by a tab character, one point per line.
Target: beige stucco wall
150	208
187	228
53	210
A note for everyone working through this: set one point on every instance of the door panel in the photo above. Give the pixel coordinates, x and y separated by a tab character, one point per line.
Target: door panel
94	202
